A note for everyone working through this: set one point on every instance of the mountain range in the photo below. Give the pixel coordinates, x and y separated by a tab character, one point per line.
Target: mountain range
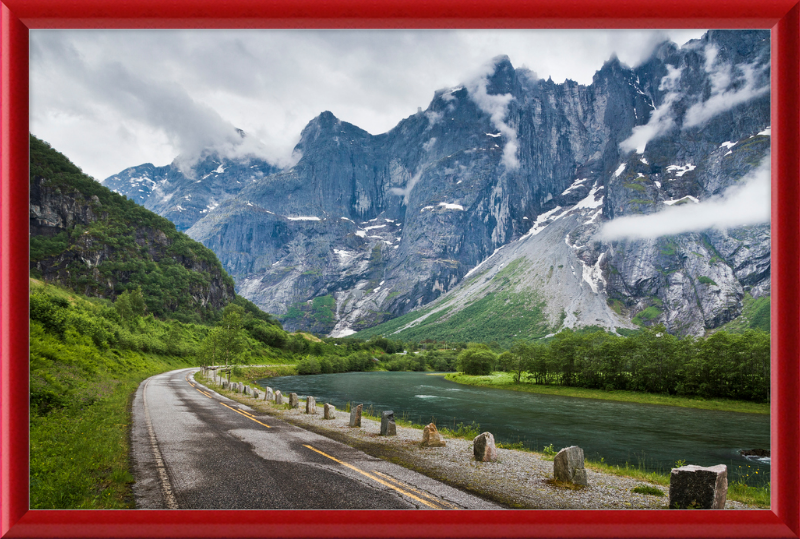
485	210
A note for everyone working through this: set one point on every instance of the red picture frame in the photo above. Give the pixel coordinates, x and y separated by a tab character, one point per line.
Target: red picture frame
18	16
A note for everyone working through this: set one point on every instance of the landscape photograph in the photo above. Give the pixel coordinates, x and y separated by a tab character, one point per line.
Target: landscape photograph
400	269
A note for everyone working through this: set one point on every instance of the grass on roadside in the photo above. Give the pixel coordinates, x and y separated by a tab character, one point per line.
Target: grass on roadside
80	457
504	380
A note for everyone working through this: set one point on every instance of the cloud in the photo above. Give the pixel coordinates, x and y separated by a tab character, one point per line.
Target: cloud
271	83
745	203
405	192
661	119
496	106
723	97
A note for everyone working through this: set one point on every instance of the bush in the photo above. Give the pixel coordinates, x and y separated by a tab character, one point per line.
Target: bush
309	366
476	361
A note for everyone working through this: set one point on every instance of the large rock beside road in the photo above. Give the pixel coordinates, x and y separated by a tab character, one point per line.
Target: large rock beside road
388	427
483	447
294	400
278	397
431	437
355	416
568	466
329	411
696	487
311	405
269	395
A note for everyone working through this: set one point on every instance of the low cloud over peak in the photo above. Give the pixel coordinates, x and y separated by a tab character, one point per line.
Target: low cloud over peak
745	203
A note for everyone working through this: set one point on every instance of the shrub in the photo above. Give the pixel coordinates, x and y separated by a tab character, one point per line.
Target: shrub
476	361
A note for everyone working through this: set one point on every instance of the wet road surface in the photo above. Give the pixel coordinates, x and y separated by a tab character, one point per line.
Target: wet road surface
195	449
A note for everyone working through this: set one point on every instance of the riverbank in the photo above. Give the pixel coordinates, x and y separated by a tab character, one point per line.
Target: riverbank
504	380
518	479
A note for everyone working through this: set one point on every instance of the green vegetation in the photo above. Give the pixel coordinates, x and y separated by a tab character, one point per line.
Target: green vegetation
504	380
498	316
706	280
647	489
85	364
721	366
755	315
650	313
146	251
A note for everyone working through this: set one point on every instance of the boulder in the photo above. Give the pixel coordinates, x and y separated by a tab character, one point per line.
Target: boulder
256	394
355	416
278	397
294	401
431	437
483	447
311	405
754	453
269	395
568	466
696	487
388	427
224	384
246	390
330	411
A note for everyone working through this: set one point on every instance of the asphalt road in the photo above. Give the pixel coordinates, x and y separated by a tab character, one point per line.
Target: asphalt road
195	449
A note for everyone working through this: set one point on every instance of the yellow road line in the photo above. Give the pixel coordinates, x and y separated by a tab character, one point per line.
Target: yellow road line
203	392
382	482
415	490
245	415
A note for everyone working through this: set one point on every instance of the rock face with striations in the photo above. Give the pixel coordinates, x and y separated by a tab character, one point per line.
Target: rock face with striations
364	228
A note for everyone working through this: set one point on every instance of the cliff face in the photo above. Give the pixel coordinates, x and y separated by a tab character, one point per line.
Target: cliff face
366	228
92	240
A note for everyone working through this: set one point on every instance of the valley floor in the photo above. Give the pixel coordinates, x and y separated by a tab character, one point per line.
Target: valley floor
504	380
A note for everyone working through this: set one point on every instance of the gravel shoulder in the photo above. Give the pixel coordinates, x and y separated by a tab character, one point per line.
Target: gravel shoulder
517	479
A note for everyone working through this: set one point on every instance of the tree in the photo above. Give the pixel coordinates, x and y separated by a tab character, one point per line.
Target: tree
130	304
227	336
477	361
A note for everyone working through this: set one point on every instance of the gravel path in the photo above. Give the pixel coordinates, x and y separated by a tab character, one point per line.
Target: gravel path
517	479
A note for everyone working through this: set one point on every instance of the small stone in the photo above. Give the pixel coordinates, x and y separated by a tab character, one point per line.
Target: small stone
483	447
388	427
431	437
294	401
311	405
568	466
278	397
256	394
696	487
355	416
329	411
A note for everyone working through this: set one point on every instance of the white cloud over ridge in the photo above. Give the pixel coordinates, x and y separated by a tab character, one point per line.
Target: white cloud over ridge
729	87
271	83
742	204
496	106
723	97
661	120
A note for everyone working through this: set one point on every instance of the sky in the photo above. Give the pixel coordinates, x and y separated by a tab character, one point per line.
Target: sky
112	99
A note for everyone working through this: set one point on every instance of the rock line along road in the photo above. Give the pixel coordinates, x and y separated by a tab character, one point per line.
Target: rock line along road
195	449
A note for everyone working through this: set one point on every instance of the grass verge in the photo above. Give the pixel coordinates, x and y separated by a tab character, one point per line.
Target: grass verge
504	380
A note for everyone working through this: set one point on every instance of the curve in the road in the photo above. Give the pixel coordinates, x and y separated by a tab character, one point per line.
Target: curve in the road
195	449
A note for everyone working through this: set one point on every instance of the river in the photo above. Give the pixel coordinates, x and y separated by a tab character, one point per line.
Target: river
618	432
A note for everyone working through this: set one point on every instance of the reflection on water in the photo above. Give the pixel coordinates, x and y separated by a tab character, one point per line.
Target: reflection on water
618	432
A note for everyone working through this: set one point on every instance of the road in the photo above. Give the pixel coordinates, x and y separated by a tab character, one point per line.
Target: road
195	449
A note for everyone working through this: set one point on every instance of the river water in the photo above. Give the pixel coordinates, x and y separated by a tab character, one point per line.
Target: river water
618	432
